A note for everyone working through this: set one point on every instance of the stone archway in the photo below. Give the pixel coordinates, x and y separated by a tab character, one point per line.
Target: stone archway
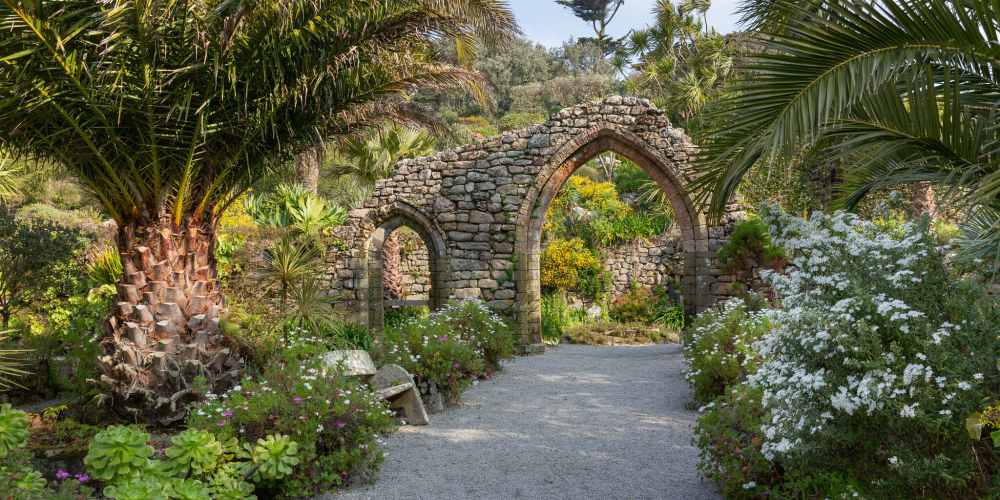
563	162
478	209
372	304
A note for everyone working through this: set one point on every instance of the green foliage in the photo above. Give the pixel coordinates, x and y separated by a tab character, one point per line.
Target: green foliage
13	429
29	252
104	266
119	453
750	246
359	63
295	209
646	305
519	120
719	347
728	436
333	419
395	317
11	363
913	115
615	333
557	316
681	64
451	347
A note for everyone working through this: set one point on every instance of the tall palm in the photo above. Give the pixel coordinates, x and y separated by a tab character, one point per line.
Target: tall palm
169	111
902	92
365	160
678	66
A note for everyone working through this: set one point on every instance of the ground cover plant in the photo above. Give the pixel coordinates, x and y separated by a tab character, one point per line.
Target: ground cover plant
876	359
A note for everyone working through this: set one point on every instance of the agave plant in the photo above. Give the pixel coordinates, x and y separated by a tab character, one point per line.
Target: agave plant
899	92
169	111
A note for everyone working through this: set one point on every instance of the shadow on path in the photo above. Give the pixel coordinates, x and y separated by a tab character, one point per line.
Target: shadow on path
578	422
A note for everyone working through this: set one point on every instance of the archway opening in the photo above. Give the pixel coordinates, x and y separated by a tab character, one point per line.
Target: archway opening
404	272
406	276
663	264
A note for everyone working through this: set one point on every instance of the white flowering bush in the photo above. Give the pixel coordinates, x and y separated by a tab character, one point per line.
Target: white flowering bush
875	359
718	346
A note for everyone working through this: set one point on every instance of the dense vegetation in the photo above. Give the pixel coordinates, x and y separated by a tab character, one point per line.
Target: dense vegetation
216	146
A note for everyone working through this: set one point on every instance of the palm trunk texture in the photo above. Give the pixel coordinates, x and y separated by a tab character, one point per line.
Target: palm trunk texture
164	346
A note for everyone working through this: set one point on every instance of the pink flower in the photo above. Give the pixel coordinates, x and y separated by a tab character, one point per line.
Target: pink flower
222	423
83	478
297	399
443	338
62	474
339	424
456	366
227	413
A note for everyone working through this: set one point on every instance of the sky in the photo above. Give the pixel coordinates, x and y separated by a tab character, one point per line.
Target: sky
550	24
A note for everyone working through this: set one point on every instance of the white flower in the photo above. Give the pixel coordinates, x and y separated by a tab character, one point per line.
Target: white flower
749	486
909	411
893	460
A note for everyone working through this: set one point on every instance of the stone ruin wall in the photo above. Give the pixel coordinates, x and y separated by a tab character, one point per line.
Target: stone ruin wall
477	206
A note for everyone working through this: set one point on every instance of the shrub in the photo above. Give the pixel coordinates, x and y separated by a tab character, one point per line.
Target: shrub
557	316
750	246
29	251
475	323
334	420
645	305
451	347
729	439
611	333
431	352
394	318
877	357
719	347
563	261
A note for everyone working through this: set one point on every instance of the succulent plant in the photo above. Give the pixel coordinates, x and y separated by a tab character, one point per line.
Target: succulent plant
194	453
274	456
118	453
13	429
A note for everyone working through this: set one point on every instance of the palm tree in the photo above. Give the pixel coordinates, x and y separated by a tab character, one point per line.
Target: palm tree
365	160
900	92
169	111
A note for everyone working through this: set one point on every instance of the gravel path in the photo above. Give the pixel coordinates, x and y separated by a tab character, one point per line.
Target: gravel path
578	422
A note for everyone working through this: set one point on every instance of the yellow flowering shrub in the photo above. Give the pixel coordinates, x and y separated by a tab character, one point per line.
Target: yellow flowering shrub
562	263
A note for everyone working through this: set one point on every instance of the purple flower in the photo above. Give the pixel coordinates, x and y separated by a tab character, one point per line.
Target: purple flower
222	423
227	413
339	424
443	338
83	478
297	399
456	366
62	474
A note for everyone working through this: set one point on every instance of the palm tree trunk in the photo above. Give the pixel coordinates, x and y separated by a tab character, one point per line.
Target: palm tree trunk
164	346
392	274
922	200
307	168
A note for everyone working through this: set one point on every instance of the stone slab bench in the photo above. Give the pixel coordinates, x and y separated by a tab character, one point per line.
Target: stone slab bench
392	383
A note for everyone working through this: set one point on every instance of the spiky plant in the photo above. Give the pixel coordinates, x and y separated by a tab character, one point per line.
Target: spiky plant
168	111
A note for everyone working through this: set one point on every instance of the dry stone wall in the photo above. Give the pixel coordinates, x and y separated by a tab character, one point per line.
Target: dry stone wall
479	209
644	262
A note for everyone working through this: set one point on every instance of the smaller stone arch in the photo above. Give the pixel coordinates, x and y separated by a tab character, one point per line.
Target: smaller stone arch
372	302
